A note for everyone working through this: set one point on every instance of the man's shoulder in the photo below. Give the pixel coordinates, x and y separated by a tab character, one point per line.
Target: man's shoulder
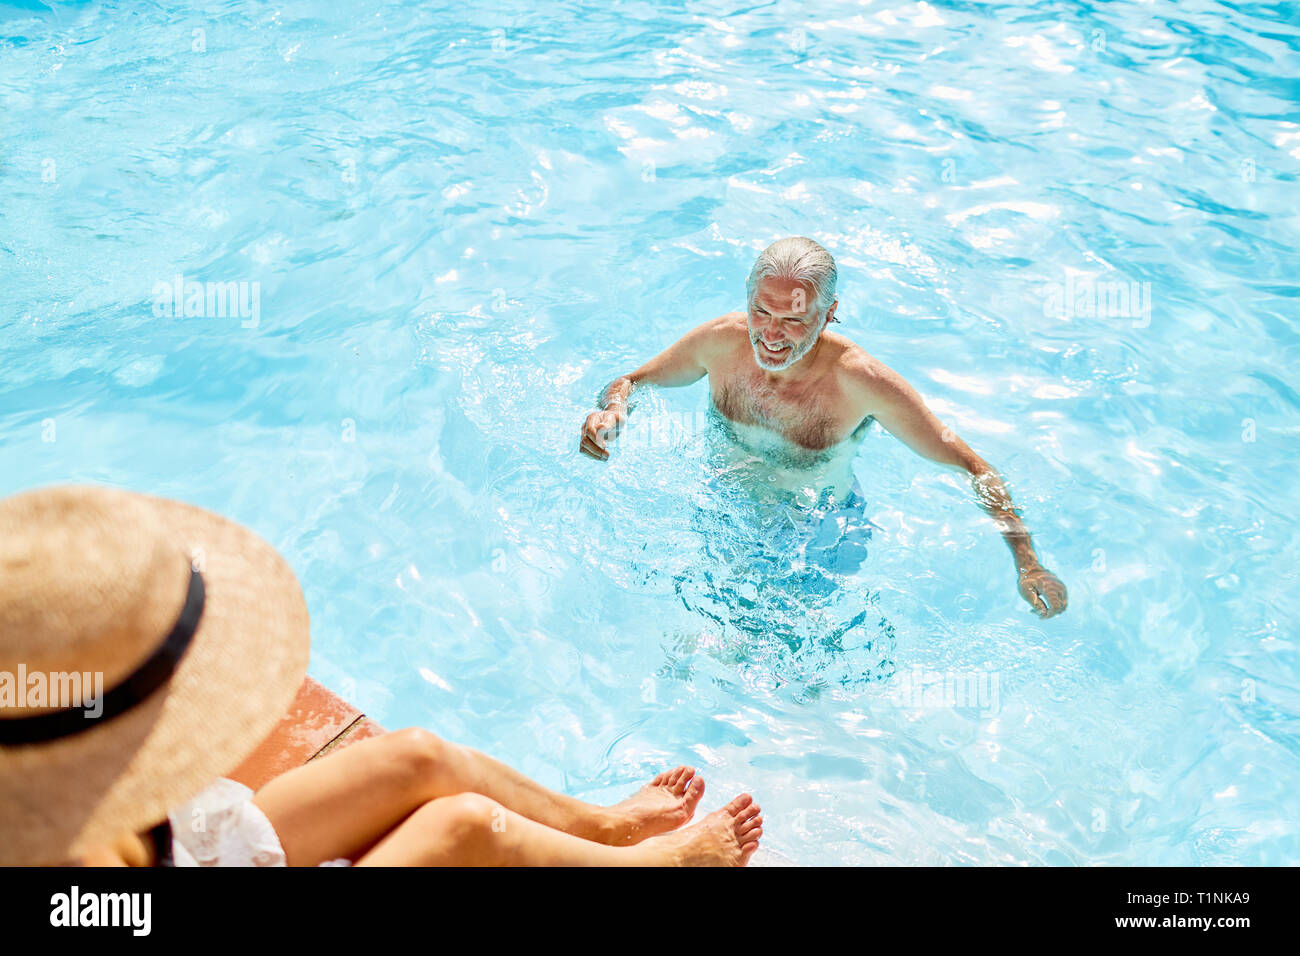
729	324
851	358
859	369
717	335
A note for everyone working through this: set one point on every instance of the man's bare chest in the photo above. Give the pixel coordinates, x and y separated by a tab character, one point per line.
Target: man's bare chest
806	417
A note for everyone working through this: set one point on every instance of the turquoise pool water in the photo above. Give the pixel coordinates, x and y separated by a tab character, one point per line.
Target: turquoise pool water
1071	226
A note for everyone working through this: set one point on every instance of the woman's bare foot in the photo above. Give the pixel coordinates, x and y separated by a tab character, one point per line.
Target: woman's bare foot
726	837
663	804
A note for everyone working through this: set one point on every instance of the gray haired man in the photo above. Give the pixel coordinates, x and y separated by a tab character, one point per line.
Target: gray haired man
798	398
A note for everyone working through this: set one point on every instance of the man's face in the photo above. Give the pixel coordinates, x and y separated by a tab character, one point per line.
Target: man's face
784	322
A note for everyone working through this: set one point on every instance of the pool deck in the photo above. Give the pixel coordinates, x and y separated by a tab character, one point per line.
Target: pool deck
316	723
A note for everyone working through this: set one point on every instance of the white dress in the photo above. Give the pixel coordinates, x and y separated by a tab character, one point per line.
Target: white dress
222	826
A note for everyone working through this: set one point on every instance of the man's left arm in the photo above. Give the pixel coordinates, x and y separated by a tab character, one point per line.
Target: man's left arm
903	413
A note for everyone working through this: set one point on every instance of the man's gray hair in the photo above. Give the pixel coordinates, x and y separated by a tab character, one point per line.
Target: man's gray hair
797	257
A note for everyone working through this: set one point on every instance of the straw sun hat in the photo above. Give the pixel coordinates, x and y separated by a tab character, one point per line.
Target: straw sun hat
198	628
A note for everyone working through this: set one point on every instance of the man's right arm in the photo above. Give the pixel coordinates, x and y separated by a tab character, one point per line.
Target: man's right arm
684	362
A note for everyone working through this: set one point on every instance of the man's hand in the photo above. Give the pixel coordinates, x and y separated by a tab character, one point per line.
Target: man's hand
1043	590
599	428
684	362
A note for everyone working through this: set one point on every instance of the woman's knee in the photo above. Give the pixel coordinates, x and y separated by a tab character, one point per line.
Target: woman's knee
420	757
468	821
463	829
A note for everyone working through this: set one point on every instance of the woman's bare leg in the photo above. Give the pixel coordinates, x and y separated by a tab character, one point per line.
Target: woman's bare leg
472	830
341	804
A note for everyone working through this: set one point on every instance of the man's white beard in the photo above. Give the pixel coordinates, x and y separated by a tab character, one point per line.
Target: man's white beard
764	358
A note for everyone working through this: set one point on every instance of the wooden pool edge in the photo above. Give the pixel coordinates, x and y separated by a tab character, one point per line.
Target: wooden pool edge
317	722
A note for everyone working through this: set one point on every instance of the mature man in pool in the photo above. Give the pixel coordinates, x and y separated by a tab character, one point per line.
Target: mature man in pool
797	399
